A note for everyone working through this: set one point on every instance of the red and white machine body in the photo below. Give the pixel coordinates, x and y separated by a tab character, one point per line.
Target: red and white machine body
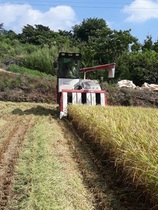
72	89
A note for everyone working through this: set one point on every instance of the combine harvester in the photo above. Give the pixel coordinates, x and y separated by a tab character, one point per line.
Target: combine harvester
72	89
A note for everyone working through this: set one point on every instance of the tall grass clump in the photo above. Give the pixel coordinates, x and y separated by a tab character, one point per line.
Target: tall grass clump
129	135
41	60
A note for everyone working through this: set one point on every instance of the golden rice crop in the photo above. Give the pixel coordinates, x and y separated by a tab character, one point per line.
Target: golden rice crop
129	135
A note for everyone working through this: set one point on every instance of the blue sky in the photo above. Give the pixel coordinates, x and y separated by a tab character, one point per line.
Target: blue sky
141	16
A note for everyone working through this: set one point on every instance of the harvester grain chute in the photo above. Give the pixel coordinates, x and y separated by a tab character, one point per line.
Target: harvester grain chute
72	89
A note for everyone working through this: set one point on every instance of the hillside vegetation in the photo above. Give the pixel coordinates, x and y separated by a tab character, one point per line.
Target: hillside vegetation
28	85
37	47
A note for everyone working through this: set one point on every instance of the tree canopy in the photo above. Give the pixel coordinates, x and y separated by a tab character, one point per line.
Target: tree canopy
88	28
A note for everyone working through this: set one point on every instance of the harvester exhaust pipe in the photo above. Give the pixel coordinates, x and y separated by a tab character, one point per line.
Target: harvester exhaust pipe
111	72
84	76
101	82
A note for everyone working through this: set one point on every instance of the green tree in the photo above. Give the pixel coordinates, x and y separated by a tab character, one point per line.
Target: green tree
139	67
10	34
65	33
148	44
136	47
155	46
88	28
28	34
108	45
38	35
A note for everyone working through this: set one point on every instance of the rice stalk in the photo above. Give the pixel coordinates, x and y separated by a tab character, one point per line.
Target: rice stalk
129	134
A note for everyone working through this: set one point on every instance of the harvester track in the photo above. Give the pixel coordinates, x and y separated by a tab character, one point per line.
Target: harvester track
9	153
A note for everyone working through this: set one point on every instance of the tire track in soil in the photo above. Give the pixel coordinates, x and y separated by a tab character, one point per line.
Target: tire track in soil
100	176
10	129
11	151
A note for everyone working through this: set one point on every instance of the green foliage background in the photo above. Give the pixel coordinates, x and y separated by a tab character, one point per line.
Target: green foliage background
37	47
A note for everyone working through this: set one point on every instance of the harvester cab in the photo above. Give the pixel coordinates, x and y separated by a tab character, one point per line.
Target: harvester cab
72	89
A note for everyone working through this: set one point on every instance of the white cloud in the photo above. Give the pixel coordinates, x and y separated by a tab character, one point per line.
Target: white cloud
15	16
141	10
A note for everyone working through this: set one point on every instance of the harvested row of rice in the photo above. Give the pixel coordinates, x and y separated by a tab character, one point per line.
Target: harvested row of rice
129	135
39	172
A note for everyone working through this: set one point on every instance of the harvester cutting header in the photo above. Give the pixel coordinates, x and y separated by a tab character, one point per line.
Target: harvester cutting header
72	89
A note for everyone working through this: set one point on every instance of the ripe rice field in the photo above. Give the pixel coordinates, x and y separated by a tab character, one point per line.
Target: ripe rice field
129	135
45	164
